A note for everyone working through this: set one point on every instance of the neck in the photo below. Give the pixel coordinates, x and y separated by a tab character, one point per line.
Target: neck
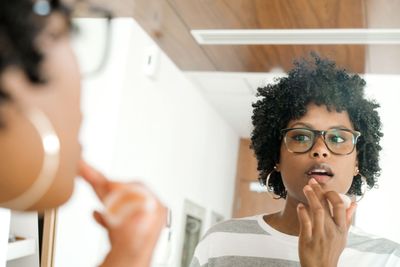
286	221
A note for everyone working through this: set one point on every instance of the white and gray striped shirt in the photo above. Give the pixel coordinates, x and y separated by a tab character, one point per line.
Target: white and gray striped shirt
251	242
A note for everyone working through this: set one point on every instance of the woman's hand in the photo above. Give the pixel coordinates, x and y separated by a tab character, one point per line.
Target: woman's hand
323	233
133	217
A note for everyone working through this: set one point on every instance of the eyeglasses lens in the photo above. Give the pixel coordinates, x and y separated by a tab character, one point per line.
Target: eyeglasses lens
91	39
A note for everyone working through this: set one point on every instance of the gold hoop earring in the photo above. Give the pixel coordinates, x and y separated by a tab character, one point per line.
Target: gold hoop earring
268	189
51	147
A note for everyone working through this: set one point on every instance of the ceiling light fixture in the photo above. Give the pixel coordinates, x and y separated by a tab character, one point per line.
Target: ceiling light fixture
297	36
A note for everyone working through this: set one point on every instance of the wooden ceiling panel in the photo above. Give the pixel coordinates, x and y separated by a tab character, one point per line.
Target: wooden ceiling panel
271	14
266	58
169	23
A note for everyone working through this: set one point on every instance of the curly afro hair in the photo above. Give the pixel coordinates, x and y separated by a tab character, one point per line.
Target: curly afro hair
19	28
321	82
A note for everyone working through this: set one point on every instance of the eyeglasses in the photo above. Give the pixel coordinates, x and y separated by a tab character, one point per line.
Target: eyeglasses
91	31
92	35
338	141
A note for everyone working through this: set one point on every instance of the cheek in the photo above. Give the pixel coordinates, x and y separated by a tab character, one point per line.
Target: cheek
290	164
66	86
69	116
345	173
292	172
63	108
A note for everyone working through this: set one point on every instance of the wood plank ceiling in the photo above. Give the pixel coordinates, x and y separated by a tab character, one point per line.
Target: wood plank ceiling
169	23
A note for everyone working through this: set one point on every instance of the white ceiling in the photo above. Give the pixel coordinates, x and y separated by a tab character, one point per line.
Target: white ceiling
232	94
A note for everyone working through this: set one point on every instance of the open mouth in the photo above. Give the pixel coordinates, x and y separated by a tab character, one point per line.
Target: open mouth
320	172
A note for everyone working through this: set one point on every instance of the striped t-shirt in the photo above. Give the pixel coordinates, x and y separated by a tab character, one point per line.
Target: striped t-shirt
251	242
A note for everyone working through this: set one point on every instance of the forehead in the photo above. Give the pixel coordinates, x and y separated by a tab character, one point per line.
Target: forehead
319	117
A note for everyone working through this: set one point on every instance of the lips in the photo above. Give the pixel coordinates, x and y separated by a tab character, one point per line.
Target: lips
320	172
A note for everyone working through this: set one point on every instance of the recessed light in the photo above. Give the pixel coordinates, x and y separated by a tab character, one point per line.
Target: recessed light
297	36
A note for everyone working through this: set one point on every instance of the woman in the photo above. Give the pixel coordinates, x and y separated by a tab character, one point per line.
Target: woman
315	138
40	120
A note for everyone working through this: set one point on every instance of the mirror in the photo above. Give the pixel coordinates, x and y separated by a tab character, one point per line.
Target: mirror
179	132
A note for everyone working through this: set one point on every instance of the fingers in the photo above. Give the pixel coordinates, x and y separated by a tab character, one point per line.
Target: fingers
316	210
319	193
100	219
350	213
117	200
125	201
98	181
326	203
341	215
338	208
305	223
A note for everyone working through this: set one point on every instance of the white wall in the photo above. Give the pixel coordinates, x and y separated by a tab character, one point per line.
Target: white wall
25	224
378	211
159	130
4	231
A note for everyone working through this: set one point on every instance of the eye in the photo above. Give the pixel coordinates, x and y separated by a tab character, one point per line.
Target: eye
300	137
336	138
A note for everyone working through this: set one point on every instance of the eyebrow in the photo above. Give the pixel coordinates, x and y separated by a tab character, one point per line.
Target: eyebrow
307	125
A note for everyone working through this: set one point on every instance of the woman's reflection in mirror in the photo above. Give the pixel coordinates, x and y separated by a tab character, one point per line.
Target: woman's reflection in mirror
316	140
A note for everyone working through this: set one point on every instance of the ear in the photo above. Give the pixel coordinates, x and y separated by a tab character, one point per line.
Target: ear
356	169
18	87
13	80
277	167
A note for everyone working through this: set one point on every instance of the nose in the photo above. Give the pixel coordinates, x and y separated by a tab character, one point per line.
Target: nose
319	149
